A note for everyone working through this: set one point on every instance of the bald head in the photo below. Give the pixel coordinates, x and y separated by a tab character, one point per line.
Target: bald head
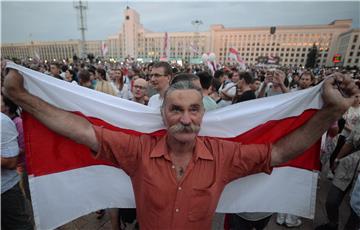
139	89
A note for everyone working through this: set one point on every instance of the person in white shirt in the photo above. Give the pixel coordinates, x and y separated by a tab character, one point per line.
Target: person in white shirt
160	77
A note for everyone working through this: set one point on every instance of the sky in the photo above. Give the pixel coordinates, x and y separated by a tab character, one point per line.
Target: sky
24	21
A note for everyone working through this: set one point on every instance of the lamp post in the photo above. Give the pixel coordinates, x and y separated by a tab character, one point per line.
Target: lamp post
195	48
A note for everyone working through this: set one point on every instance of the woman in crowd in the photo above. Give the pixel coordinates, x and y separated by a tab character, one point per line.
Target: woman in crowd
123	90
102	84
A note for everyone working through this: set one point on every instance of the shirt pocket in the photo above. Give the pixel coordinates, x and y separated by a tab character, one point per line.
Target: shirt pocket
200	204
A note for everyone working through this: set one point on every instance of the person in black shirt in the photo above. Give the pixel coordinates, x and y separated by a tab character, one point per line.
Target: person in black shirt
244	92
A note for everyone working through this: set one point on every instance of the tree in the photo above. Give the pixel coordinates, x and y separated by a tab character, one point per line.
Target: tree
311	57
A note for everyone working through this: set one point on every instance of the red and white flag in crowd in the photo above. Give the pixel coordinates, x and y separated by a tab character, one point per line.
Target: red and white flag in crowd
194	48
66	182
104	48
234	55
271	59
166	48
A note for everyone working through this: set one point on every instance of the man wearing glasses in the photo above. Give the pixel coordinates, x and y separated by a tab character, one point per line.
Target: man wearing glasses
139	90
160	77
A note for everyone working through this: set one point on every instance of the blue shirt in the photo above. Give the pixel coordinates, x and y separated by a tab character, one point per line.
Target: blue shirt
9	148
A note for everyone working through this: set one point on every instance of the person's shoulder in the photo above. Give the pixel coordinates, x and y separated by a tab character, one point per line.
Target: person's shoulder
154	98
6	121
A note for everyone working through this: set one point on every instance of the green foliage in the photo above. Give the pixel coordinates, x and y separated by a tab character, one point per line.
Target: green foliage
312	57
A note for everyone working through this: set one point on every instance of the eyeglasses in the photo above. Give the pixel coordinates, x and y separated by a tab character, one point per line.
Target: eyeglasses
156	75
139	87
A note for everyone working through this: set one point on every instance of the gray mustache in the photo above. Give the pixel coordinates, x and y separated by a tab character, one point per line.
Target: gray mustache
180	128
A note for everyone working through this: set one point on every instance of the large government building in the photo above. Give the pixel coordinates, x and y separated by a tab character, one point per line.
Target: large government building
337	43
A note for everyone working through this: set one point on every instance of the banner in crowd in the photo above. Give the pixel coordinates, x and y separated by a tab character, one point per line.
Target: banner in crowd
104	48
66	182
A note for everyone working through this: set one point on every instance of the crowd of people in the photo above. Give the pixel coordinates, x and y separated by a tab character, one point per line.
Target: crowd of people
148	84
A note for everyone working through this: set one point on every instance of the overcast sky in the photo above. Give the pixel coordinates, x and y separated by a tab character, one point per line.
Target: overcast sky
49	20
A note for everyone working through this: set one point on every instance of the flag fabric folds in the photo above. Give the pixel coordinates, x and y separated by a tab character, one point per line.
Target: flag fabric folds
66	182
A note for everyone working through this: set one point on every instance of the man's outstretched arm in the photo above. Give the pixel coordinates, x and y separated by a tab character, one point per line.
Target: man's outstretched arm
60	121
335	104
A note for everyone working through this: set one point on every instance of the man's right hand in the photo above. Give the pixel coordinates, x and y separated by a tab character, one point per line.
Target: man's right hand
13	84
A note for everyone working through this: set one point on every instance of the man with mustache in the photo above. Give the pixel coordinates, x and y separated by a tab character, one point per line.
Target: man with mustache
178	178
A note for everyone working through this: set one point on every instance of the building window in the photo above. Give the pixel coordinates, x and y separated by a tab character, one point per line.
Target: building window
351	54
356	61
349	60
353	47
355	38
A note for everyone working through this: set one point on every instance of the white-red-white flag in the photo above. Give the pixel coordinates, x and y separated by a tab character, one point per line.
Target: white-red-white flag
166	48
66	182
234	55
271	59
104	48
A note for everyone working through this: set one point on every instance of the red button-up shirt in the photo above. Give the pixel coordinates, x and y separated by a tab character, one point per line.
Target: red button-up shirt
162	201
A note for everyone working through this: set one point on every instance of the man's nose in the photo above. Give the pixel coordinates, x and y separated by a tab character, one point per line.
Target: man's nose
185	119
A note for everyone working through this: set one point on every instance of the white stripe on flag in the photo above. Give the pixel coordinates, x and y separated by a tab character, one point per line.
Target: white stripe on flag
106	187
217	123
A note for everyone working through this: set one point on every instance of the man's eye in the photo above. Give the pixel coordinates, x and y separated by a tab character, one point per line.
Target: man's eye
175	109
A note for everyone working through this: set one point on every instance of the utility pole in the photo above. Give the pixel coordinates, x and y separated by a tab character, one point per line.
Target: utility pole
81	7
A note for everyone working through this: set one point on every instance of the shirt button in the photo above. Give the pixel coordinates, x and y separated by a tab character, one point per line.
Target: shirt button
177	210
173	166
179	188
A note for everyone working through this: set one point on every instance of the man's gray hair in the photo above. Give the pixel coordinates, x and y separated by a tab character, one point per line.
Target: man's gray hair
180	85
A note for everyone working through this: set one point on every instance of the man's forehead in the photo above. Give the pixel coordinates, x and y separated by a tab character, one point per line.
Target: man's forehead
140	81
158	70
184	97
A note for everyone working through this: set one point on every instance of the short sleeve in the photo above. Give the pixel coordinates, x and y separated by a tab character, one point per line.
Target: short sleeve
249	159
9	134
118	148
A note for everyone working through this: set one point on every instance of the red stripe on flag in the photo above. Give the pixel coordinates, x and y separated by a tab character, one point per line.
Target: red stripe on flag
48	152
272	131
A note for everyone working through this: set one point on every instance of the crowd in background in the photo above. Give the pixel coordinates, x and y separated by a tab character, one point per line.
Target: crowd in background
226	85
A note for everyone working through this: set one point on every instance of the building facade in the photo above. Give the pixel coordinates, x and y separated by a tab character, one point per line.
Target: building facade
348	48
288	44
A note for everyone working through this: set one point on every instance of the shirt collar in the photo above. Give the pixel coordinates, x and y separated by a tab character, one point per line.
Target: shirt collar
161	150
